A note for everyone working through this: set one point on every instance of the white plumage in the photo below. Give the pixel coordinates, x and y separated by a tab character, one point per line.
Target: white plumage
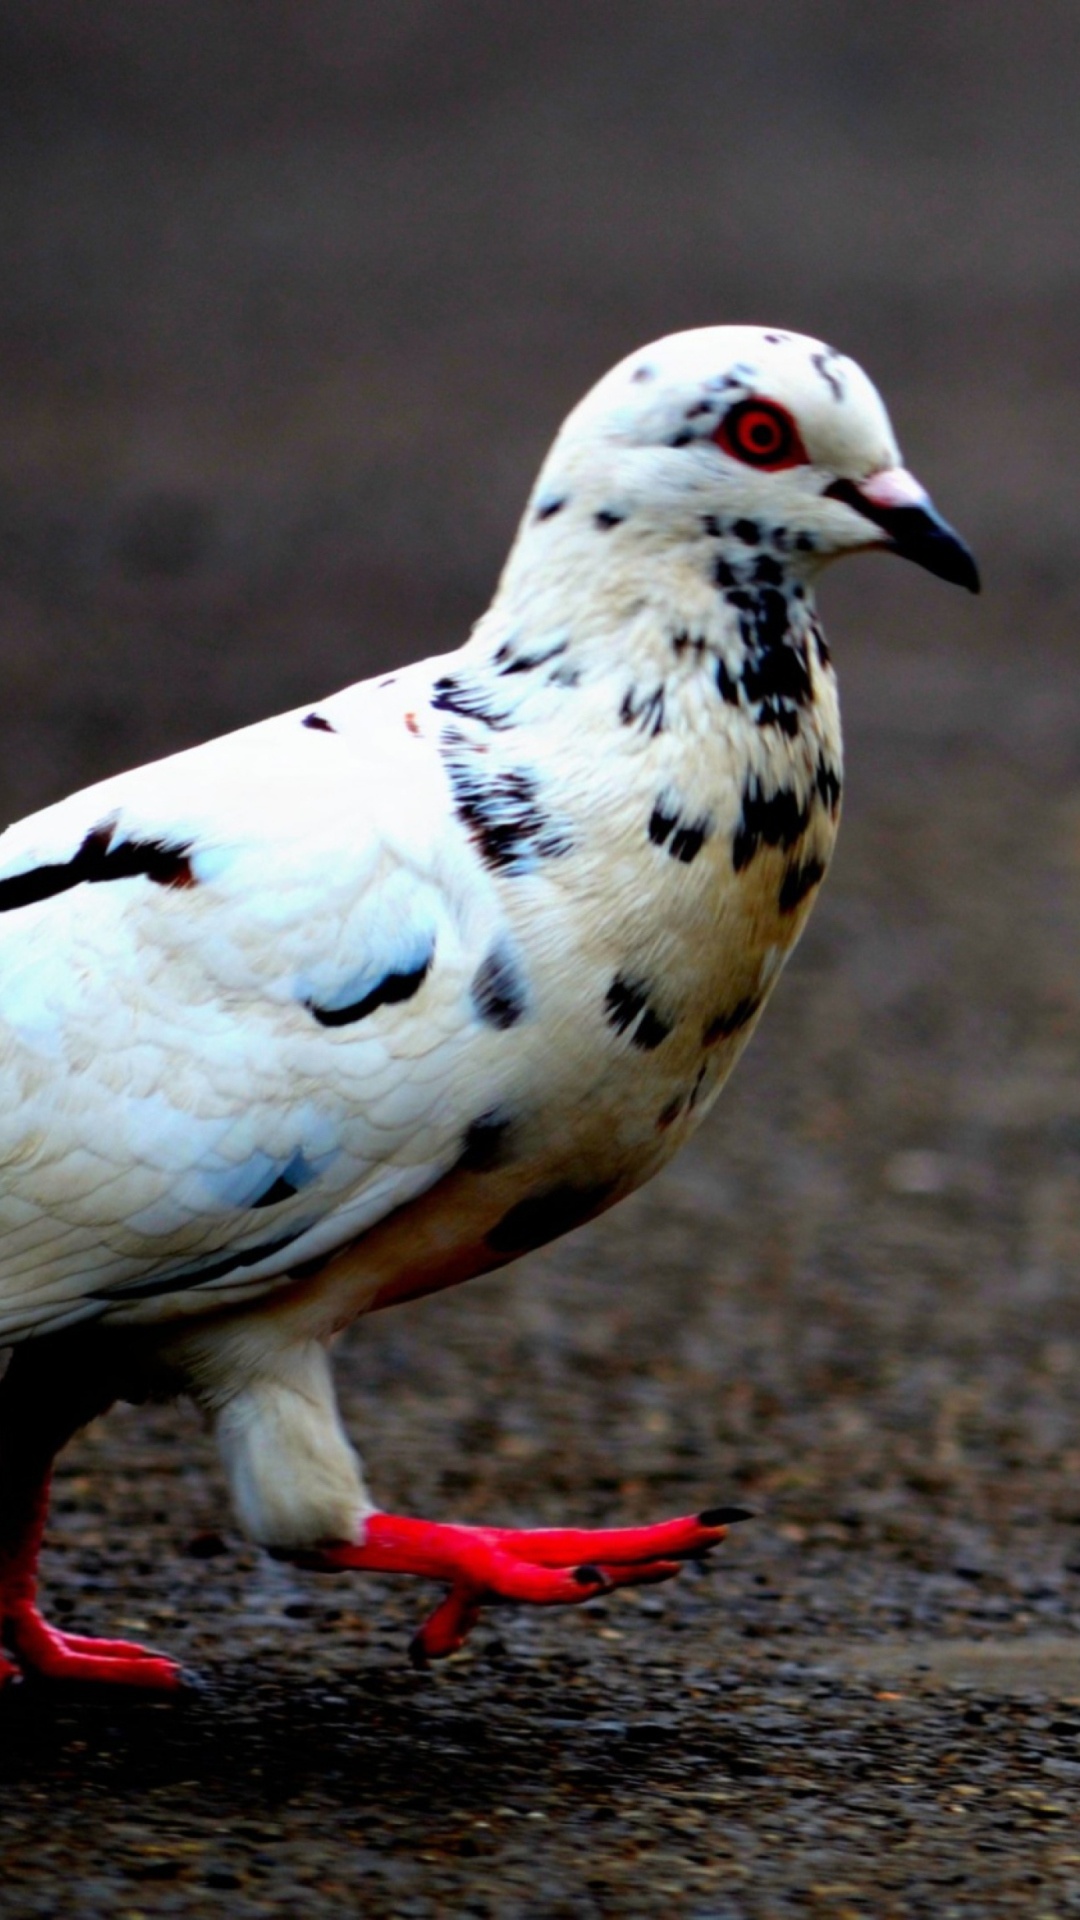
377	994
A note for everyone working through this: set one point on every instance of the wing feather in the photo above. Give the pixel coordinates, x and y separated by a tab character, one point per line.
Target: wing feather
234	1010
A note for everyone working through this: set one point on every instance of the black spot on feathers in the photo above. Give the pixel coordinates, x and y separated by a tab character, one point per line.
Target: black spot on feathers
510	662
662	820
728	687
800	879
498	991
101	858
775	820
626	1005
276	1194
532	1223
485	1142
825	362
682	839
683	643
775	673
820	645
502	811
390	991
688	839
732	1020
471	701
829	785
643	710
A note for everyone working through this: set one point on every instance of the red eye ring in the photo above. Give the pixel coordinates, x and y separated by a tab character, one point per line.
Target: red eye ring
762	435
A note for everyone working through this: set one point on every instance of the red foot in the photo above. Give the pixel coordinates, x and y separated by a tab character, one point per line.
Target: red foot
548	1566
37	1647
53	1655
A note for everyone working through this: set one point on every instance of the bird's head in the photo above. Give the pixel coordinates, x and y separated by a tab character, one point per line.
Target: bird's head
757	424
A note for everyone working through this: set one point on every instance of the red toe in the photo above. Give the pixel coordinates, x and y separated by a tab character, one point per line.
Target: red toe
546	1566
448	1628
53	1655
665	1539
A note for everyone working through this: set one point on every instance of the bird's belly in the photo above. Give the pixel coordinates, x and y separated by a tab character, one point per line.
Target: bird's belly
635	990
616	1074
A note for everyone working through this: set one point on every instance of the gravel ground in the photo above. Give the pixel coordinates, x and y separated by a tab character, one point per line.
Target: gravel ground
851	1305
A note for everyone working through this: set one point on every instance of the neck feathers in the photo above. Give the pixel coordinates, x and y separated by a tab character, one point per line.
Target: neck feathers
594	600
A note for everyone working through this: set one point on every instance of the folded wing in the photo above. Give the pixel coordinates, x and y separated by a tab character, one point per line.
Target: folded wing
234	1005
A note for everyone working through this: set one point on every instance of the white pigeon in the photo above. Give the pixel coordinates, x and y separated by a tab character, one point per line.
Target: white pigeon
379	994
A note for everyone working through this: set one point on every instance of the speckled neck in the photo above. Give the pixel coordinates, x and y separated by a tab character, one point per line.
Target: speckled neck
610	604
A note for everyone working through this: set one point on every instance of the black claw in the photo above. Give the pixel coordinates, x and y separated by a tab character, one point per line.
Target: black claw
725	1516
418	1653
588	1576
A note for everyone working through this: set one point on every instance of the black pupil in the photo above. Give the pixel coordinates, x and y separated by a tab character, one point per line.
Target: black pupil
760	433
764	434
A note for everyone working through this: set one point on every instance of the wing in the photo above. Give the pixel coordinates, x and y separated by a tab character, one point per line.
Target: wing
234	1014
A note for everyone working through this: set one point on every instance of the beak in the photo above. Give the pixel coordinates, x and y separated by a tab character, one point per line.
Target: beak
904	511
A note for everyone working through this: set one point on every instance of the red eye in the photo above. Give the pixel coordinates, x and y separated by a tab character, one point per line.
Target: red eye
761	434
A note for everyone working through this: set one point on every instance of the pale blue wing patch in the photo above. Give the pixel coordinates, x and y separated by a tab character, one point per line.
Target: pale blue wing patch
266	1181
242	1271
228	1165
297	1173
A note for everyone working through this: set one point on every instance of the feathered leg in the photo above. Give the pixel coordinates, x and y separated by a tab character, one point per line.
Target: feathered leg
41	1406
298	1489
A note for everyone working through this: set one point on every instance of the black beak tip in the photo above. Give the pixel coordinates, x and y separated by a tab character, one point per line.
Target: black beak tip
916	531
921	535
950	559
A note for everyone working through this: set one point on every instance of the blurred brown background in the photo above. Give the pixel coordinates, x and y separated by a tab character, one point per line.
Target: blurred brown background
294	296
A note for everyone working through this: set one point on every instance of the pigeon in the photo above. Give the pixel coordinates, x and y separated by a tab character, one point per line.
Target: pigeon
375	996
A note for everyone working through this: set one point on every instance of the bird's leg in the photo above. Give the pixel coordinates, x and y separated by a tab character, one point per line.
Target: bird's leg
298	1490
43	1649
31	1433
549	1566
